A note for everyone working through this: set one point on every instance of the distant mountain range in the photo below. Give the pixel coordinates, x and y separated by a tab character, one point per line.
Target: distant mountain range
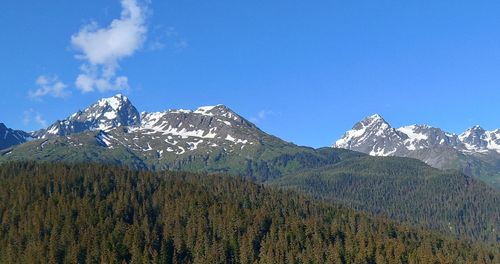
476	152
113	130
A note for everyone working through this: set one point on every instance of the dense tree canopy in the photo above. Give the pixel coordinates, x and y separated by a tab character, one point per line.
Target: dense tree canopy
407	190
100	214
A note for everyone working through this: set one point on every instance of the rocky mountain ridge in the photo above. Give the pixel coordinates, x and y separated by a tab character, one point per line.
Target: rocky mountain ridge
476	151
375	136
180	130
10	137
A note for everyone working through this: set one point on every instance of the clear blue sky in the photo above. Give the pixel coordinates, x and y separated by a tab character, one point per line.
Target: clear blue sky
306	70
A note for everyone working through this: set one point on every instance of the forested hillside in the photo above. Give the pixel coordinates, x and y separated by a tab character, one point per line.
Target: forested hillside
101	214
407	190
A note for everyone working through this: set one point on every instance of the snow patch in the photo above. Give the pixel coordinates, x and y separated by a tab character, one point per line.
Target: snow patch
110	115
114	102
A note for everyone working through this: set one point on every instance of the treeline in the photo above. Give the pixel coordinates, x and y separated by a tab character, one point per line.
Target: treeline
407	190
101	214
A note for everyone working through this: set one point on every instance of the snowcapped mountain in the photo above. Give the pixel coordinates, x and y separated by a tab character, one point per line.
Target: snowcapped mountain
208	127
207	139
178	132
476	139
10	137
107	113
181	130
424	136
475	151
375	136
118	122
112	130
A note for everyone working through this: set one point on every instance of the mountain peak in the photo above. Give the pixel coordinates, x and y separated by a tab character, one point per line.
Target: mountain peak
474	139
213	110
372	135
476	128
371	123
105	114
115	102
475	131
219	110
375	117
209	109
373	120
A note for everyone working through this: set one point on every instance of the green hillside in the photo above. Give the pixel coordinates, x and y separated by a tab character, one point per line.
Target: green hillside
398	188
270	158
407	190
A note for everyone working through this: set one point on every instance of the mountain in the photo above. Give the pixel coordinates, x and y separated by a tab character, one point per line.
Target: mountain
180	131
55	213
476	139
384	140
210	138
106	114
10	137
476	152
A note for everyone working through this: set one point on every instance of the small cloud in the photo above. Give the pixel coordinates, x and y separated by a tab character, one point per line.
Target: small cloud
167	38
31	116
261	115
103	48
48	86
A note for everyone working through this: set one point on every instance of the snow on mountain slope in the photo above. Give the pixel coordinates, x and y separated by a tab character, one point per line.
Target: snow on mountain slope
171	131
476	139
493	140
476	152
424	136
105	114
371	136
185	130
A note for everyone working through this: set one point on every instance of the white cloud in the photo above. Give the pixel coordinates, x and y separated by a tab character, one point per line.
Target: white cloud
33	116
261	115
48	86
103	48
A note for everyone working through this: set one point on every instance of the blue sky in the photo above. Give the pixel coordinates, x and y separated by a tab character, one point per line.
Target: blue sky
305	71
